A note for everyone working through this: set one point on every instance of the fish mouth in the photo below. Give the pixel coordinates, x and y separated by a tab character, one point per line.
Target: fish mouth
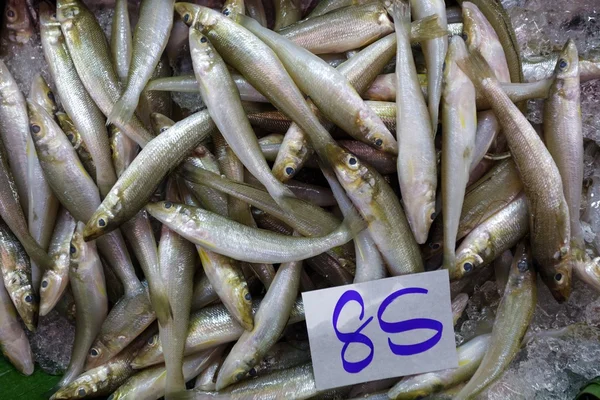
92	232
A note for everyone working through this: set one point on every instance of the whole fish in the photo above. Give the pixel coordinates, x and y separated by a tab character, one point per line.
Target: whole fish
14	132
513	317
43	205
78	104
326	6
105	379
79	195
16	273
13	340
417	183
344	29
269	322
229	116
56	279
136	185
213	232
68	127
18	22
150	38
151	383
286	13
435	54
86	278
549	224
120	40
91	56
208	327
469	355
459	119
177	259
490	239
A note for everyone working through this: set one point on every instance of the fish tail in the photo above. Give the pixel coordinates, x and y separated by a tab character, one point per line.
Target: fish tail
476	68
162	308
123	109
400	12
427	28
355	223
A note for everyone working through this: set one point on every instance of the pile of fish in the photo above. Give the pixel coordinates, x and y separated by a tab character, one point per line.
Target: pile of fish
348	143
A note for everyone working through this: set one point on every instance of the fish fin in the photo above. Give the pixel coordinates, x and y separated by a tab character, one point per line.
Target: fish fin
162	308
426	29
476	68
123	110
399	10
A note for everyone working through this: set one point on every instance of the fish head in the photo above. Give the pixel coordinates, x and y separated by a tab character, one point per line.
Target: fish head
348	167
18	285
39	121
558	279
149	354
67	10
466	262
376	133
104	218
41	94
160	122
567	65
164	211
99	353
78	248
18	21
476	28
51	288
80	388
193	14
291	159
202	51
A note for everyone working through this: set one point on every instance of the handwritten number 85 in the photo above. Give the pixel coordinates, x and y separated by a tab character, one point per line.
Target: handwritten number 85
387	327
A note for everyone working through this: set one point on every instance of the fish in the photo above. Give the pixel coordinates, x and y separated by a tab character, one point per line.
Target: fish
459	120
491	238
123	150
216	85
176	258
549	224
210	326
286	13
469	356
16	273
513	317
282	355
86	278
206	379
150	38
55	280
85	41
384	163
79	194
77	102
156	102
121	40
269	322
13	340
417	184
105	379
14	132
18	21
68	127
151	382
136	185
256	10
459	303
435	54
43	204
487	131
344	29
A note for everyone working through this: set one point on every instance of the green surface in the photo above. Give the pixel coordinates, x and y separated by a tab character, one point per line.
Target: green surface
14	385
591	390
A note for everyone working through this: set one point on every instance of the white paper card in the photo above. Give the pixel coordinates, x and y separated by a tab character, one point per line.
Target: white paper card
380	329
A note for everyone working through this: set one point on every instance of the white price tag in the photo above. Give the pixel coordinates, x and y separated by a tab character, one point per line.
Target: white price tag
381	329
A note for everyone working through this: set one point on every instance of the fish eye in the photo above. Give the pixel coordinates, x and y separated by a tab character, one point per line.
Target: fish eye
558	277
51	96
252	372
239	376
444	66
73	249
432	216
203	39
168	204
164	128
226	12
248	297
152	340
378	142
10	13
465	36
81	392
468	267
94	352
562	63
289	171
186	17
35	128
28	298
522	265
101	222
44	283
434	246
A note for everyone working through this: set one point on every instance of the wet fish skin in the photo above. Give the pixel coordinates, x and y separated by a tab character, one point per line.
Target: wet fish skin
68	127
86	41
150	38
417	184
16	272
286	13
17	21
77	102
55	280
324	7
123	150
256	10
513	317
13	341
86	278
136	185
121	40
459	119
208	327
